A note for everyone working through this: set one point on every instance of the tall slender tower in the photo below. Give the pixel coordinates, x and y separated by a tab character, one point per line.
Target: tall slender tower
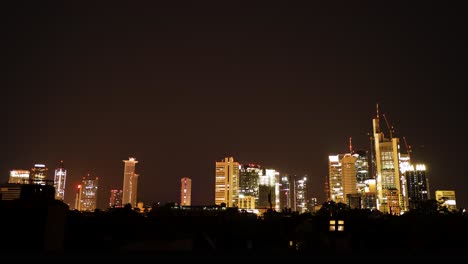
59	181
387	169
130	184
185	191
227	182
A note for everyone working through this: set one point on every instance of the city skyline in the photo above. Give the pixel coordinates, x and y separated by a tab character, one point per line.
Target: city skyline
180	87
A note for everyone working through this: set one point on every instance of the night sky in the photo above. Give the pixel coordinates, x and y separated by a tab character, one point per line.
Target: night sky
179	87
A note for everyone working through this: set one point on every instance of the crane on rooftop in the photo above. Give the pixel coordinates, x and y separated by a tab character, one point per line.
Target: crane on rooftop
390	128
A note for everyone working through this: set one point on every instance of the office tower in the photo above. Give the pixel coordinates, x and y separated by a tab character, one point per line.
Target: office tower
446	198
38	174
227	182
300	189
416	184
59	181
87	196
115	199
130	184
249	175
386	155
285	193
348	176
185	191
267	190
362	170
334	176
19	176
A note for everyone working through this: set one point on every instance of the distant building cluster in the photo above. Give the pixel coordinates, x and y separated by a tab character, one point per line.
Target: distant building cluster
252	187
384	178
387	180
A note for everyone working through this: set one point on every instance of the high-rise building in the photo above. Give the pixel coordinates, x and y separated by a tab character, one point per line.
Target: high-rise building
186	191
59	181
349	176
86	198
115	199
446	198
267	190
285	193
387	167
130	184
334	177
301	201
19	176
227	182
249	176
416	184
38	174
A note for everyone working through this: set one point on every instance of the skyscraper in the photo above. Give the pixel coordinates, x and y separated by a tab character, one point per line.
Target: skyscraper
87	196
38	174
249	175
115	199
59	181
227	182
387	169
130	184
417	185
185	191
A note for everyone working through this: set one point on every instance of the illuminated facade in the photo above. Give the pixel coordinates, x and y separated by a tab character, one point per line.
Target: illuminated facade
446	198
334	177
19	176
115	199
349	176
416	184
285	195
38	174
227	182
267	190
300	189
60	177
387	170
185	191
87	196
249	176
130	184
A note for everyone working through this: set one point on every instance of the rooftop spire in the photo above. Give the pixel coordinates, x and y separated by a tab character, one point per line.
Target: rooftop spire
350	145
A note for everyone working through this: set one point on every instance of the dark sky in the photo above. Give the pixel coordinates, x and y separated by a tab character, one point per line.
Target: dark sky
179	87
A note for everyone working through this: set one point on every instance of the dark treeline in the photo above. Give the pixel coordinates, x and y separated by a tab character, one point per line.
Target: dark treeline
38	228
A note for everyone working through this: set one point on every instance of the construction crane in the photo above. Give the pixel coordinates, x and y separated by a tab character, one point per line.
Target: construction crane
390	128
408	147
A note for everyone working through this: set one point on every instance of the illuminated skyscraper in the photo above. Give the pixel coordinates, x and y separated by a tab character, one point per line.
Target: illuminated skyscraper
285	192
249	175
87	196
59	181
115	199
38	174
19	176
417	185
387	169
301	199
185	191
335	178
267	190
130	184
227	182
